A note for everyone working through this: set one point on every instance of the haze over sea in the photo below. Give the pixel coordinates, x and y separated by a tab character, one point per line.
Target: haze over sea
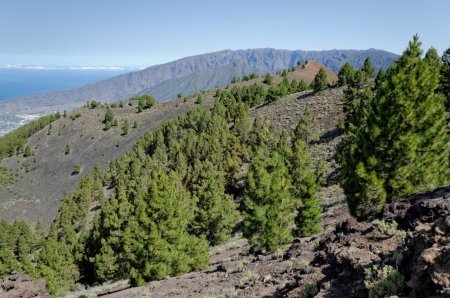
18	81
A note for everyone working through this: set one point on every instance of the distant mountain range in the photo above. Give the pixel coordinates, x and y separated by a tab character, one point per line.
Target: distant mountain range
191	74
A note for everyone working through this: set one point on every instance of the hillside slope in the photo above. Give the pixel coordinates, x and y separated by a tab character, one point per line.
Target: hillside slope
331	263
43	178
192	74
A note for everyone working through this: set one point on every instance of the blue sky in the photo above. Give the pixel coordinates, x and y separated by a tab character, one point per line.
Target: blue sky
144	32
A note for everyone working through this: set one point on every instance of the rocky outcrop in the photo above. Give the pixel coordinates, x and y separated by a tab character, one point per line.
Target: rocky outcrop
413	239
427	245
23	286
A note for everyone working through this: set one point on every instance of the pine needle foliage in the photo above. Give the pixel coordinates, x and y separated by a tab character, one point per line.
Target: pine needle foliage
396	141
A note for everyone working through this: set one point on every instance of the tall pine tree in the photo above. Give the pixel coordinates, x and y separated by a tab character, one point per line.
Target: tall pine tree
345	75
268	204
368	68
320	81
445	77
304	190
400	145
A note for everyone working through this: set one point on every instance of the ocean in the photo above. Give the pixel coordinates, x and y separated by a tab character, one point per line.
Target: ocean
18	82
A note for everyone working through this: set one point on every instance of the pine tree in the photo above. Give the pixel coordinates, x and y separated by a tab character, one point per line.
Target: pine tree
345	75
320	81
302	86
321	175
420	148
380	77
216	214
141	105
368	68
268	204
241	121
160	244
445	77
268	79
433	58
109	118
304	190
55	264
307	128
125	128
396	140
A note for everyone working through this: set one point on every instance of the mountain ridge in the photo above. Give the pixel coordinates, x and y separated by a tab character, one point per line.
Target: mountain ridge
169	74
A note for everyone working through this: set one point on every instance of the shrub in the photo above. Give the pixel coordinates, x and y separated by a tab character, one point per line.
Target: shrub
27	151
75	116
248	277
76	169
383	228
383	281
309	291
94	104
6	177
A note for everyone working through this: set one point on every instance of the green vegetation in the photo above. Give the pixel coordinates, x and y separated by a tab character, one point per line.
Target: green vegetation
15	142
383	229
125	127
6	177
110	119
248	277
383	281
444	85
93	104
321	173
76	169
75	116
268	79
320	81
345	75
49	131
23	250
67	150
307	128
27	151
304	179
176	193
144	102
309	291
368	68
269	204
396	142
249	77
